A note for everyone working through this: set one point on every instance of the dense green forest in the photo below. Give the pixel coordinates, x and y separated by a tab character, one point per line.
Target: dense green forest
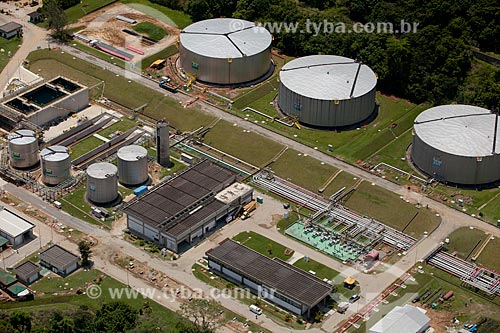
433	64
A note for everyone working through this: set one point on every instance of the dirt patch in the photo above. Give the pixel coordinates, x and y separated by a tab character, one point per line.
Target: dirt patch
102	25
439	319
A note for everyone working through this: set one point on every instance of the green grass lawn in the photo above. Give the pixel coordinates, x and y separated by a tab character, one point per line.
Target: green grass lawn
343	179
150	29
463	240
117	88
165	53
8	45
76	205
85	7
321	270
250	147
394	152
262	245
303	170
122	126
169	16
389	209
161	316
84	146
352	145
57	284
489	256
174	168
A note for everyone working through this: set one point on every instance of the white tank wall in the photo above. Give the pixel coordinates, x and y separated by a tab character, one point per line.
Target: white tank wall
326	113
102	190
23	155
55	172
133	171
455	169
221	71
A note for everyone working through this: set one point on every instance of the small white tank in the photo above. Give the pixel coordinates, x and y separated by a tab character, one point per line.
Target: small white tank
56	164
23	149
132	165
102	183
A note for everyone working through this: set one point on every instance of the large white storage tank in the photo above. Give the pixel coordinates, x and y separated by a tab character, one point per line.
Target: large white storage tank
327	91
56	164
225	51
458	144
23	149
132	165
102	183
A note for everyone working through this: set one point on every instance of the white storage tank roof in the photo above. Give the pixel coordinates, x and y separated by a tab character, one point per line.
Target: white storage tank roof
102	170
55	153
457	144
132	153
462	130
328	77
225	38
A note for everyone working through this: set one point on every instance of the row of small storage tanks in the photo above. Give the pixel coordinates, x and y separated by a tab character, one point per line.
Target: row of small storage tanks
102	178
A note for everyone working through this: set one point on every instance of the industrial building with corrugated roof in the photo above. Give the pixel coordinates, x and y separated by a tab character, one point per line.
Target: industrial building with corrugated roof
402	319
59	260
272	279
327	91
184	209
15	228
458	144
225	51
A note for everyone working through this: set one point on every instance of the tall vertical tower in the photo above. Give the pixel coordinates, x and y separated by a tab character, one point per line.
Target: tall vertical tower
162	143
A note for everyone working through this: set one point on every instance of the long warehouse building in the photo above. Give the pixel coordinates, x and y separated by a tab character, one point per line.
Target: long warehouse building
184	209
273	279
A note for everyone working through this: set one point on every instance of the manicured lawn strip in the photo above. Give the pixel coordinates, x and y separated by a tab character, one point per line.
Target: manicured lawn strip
390	209
84	146
262	245
150	29
8	45
250	147
166	15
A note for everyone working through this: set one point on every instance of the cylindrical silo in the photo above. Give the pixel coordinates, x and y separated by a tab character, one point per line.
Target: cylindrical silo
162	144
102	183
23	149
132	165
327	91
225	51
56	164
458	144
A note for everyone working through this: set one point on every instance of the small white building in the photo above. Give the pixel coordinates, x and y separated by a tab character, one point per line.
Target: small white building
15	228
28	272
59	260
402	319
10	30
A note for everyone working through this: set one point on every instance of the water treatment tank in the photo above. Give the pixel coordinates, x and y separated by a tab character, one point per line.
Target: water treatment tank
132	165
23	149
225	51
458	144
327	91
56	164
102	183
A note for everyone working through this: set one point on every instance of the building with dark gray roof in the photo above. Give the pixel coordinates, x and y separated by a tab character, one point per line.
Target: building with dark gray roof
272	279
59	260
10	30
27	272
182	210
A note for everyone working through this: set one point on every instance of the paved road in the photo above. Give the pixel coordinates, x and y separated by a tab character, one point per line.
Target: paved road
33	37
